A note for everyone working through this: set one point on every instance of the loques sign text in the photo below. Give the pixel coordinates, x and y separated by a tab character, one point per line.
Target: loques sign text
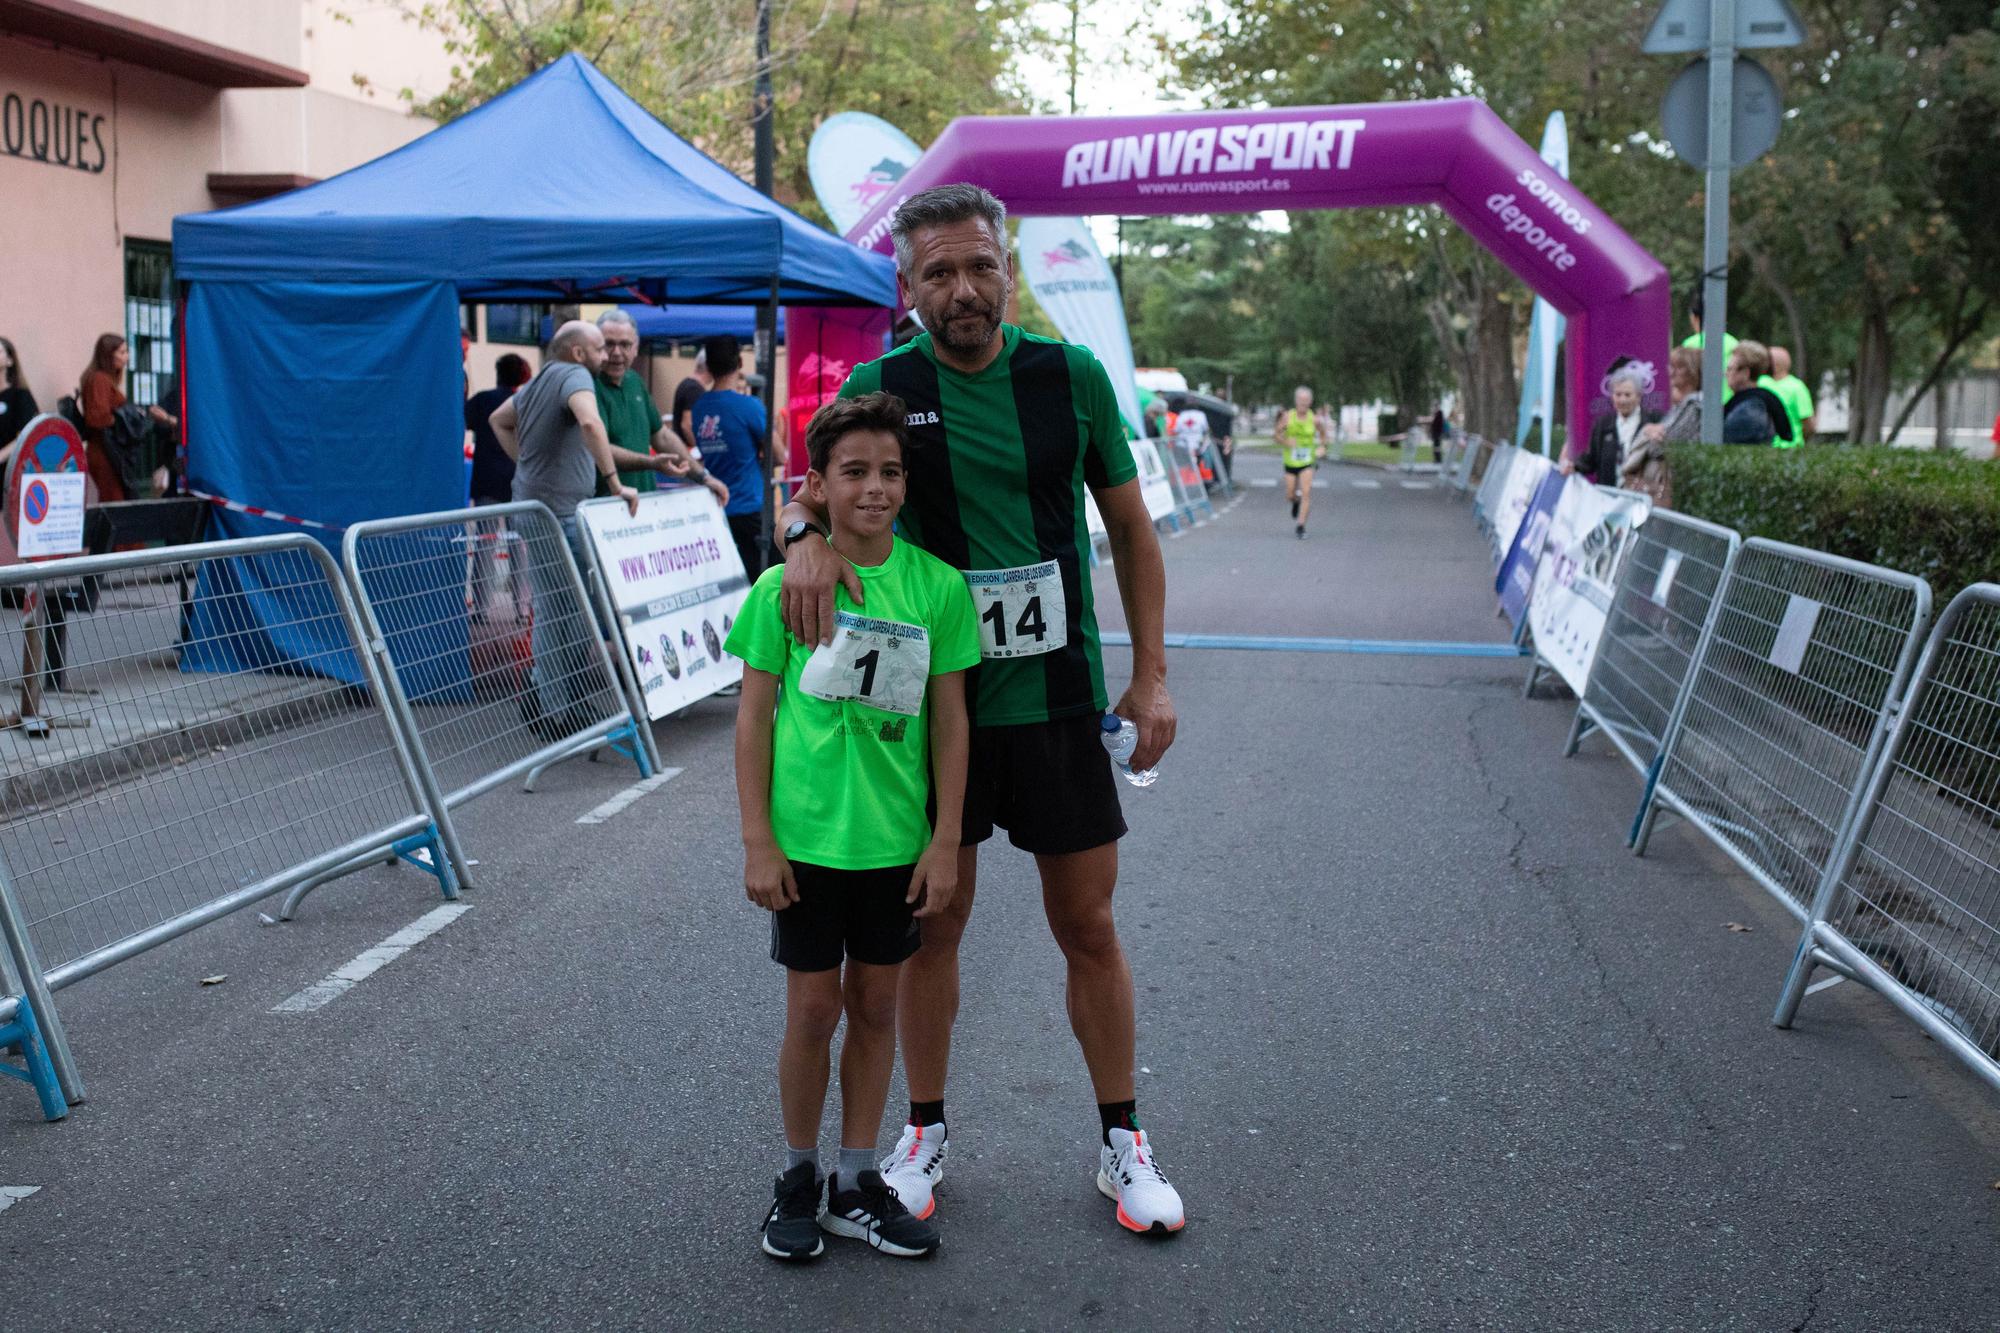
60	135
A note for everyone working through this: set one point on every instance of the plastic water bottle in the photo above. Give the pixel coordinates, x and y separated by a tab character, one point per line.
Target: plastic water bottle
1120	739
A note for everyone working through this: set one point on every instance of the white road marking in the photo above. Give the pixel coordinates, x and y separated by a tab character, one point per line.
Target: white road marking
1268	483
1416	485
1365	485
1819	986
347	977
13	1194
629	795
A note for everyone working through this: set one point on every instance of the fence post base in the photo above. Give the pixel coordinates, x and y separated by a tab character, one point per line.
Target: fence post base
1580	726
626	741
434	862
25	1036
1642	821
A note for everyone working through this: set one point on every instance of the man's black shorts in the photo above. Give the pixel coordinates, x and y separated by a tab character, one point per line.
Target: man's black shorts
1291	471
1049	784
858	914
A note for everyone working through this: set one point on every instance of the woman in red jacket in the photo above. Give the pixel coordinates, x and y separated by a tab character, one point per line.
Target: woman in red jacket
99	396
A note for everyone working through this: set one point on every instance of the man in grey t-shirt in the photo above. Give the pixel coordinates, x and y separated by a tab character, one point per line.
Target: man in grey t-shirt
563	456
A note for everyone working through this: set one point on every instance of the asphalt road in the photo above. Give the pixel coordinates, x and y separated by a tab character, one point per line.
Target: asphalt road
1422	1045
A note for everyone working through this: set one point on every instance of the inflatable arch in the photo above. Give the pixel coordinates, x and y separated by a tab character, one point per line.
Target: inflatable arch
1456	153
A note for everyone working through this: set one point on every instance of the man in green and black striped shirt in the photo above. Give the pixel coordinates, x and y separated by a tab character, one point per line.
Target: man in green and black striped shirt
1007	430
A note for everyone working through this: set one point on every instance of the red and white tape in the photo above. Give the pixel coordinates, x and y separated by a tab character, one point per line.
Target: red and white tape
257	511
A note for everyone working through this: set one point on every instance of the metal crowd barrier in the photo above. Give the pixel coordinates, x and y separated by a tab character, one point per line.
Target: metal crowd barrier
1910	903
1785	710
496	647
202	727
1660	608
1493	485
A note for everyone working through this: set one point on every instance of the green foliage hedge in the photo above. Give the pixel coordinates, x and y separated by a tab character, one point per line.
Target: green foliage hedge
1935	515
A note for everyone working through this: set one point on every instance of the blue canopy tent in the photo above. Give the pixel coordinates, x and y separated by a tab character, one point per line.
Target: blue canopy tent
323	366
689	323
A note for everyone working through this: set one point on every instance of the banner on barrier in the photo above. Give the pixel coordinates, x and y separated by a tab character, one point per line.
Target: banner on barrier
1588	536
1524	480
677	583
1517	572
1153	484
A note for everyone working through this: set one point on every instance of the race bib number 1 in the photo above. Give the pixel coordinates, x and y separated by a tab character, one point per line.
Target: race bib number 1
1021	611
882	663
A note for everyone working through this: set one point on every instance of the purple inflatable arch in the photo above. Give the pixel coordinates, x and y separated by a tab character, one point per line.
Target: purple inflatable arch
1457	154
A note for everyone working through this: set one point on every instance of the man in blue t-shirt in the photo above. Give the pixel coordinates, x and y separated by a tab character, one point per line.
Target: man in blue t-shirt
730	430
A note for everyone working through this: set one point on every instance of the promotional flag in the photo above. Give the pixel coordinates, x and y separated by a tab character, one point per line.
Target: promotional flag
1063	267
1545	326
854	160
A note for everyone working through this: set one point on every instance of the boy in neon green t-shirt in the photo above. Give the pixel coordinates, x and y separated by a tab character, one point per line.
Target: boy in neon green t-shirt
834	775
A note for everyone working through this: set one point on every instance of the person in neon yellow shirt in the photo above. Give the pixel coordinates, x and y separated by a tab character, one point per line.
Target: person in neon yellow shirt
1694	339
833	781
1299	438
1794	393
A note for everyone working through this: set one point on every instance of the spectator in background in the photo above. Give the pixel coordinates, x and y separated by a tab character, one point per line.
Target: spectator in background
685	394
1614	433
100	392
1155	417
1794	393
1191	435
1439	428
631	420
1694	339
1222	428
17	403
1755	415
731	431
492	484
169	435
551	428
1645	466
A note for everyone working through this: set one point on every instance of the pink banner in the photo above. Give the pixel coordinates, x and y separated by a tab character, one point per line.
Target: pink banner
823	343
1457	154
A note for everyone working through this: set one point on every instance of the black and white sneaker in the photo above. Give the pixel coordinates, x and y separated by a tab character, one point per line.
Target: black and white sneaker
869	1210
791	1229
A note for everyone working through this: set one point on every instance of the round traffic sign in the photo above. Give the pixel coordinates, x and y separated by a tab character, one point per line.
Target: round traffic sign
1757	112
35	504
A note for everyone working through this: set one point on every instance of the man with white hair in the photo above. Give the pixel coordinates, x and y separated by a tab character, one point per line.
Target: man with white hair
1794	393
633	422
1612	434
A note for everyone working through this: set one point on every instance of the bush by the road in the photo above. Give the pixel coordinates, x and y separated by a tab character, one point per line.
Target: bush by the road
1935	515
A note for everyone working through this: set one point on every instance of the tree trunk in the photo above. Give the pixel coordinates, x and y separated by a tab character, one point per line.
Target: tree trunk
1941	441
1869	397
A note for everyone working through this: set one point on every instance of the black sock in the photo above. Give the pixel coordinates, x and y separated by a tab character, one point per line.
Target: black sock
927	1113
1118	1115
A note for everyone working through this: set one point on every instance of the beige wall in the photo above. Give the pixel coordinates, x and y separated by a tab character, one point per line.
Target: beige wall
267	29
62	231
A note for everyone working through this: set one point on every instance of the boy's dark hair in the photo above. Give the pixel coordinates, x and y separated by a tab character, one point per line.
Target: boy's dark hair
723	353
843	416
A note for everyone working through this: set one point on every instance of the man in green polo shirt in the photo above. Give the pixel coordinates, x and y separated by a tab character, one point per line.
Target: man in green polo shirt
1794	394
1008	432
631	419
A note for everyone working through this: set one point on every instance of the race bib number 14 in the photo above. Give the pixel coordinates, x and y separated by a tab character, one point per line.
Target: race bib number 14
882	663
1021	611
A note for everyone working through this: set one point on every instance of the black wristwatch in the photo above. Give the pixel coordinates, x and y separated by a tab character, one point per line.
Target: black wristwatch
798	530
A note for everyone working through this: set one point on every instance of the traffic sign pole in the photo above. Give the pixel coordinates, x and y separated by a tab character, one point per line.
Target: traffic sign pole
1715	242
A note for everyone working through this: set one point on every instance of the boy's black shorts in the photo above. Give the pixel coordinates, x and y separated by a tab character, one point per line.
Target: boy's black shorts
858	914
1291	471
1049	784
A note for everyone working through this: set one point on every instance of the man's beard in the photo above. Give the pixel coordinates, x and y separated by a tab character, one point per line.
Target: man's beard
983	318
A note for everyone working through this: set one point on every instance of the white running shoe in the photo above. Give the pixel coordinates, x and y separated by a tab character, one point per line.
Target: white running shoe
1128	1174
916	1168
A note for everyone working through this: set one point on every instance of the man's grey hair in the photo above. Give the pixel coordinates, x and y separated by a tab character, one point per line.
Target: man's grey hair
616	316
940	208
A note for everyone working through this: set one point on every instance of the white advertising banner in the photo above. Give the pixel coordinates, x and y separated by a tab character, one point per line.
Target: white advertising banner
853	160
1067	273
677	584
1153	483
1577	573
1524	478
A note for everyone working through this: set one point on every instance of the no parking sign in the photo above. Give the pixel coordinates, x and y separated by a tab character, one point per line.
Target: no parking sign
46	490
